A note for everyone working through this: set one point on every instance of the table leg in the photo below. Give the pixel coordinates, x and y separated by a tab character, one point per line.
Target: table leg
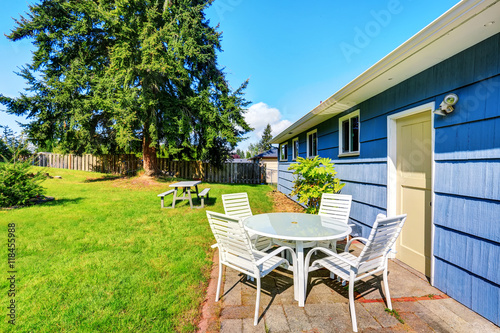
197	194
189	197
175	198
300	272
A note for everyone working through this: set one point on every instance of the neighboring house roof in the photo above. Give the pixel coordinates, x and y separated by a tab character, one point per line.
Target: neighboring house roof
464	25
271	153
239	160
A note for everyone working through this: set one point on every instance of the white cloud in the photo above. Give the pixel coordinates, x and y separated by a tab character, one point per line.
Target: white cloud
258	116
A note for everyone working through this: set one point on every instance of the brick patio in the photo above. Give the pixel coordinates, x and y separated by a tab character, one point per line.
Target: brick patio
421	307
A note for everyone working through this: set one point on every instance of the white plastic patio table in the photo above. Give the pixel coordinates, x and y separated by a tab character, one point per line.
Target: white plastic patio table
300	228
186	189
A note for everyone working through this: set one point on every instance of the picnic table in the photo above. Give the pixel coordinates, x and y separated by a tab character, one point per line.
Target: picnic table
186	191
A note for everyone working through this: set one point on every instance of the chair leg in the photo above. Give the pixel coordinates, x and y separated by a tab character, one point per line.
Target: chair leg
257	302
351	303
219	282
386	289
296	281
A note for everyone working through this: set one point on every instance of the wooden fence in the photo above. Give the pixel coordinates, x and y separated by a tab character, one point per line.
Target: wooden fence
229	173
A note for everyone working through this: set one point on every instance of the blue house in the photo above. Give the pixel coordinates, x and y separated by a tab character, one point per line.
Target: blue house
419	133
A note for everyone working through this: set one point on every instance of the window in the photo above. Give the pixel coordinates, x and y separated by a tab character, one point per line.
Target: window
295	148
349	134
312	143
284	152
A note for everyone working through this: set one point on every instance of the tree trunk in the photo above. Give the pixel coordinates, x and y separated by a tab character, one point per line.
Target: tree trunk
149	162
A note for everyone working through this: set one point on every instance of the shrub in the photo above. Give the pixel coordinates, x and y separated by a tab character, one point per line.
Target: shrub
18	184
313	178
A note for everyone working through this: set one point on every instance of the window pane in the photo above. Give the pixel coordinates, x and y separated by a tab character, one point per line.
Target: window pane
283	152
314	144
295	149
355	134
309	145
345	136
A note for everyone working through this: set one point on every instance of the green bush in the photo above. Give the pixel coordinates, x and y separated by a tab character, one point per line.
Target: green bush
18	184
314	177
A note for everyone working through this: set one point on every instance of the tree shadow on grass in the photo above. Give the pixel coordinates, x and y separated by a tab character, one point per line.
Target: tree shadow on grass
104	178
61	202
236	184
168	179
48	201
208	201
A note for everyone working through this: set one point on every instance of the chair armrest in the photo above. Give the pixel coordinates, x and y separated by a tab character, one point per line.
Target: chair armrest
275	252
364	241
214	246
327	252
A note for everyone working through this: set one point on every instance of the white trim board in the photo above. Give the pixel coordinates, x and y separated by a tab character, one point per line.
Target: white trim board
392	171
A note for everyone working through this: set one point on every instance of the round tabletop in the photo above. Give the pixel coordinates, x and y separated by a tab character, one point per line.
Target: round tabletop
297	226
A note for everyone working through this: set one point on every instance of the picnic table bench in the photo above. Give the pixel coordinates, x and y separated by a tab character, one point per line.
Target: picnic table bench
163	195
186	193
202	195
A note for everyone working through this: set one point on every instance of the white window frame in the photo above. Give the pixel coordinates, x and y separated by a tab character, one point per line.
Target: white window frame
295	154
307	142
341	136
281	157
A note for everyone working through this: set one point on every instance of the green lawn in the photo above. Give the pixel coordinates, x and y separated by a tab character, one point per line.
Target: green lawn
104	256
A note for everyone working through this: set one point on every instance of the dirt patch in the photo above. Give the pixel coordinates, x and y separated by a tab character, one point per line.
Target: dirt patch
138	182
282	203
131	182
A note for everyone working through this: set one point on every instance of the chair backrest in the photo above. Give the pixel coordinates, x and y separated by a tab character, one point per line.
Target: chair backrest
384	233
337	206
235	249
237	204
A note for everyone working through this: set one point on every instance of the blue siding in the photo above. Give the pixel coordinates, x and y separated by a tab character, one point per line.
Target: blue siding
457	284
461	213
370	173
486	299
364	216
371	194
467	169
476	140
478	179
473	254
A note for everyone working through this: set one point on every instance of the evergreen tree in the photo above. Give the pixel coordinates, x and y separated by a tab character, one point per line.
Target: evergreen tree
253	149
264	143
125	76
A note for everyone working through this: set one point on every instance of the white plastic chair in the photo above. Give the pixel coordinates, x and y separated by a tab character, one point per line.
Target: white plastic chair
338	207
235	251
372	259
238	205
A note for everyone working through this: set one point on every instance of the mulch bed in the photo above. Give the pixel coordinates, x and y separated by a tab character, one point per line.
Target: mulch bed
282	203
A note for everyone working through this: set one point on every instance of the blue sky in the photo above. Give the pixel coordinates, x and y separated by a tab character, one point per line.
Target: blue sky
295	53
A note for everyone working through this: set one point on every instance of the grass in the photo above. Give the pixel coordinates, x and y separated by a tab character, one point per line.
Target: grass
395	314
104	257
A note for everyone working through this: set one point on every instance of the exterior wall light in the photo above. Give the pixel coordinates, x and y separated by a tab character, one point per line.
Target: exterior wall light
446	105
